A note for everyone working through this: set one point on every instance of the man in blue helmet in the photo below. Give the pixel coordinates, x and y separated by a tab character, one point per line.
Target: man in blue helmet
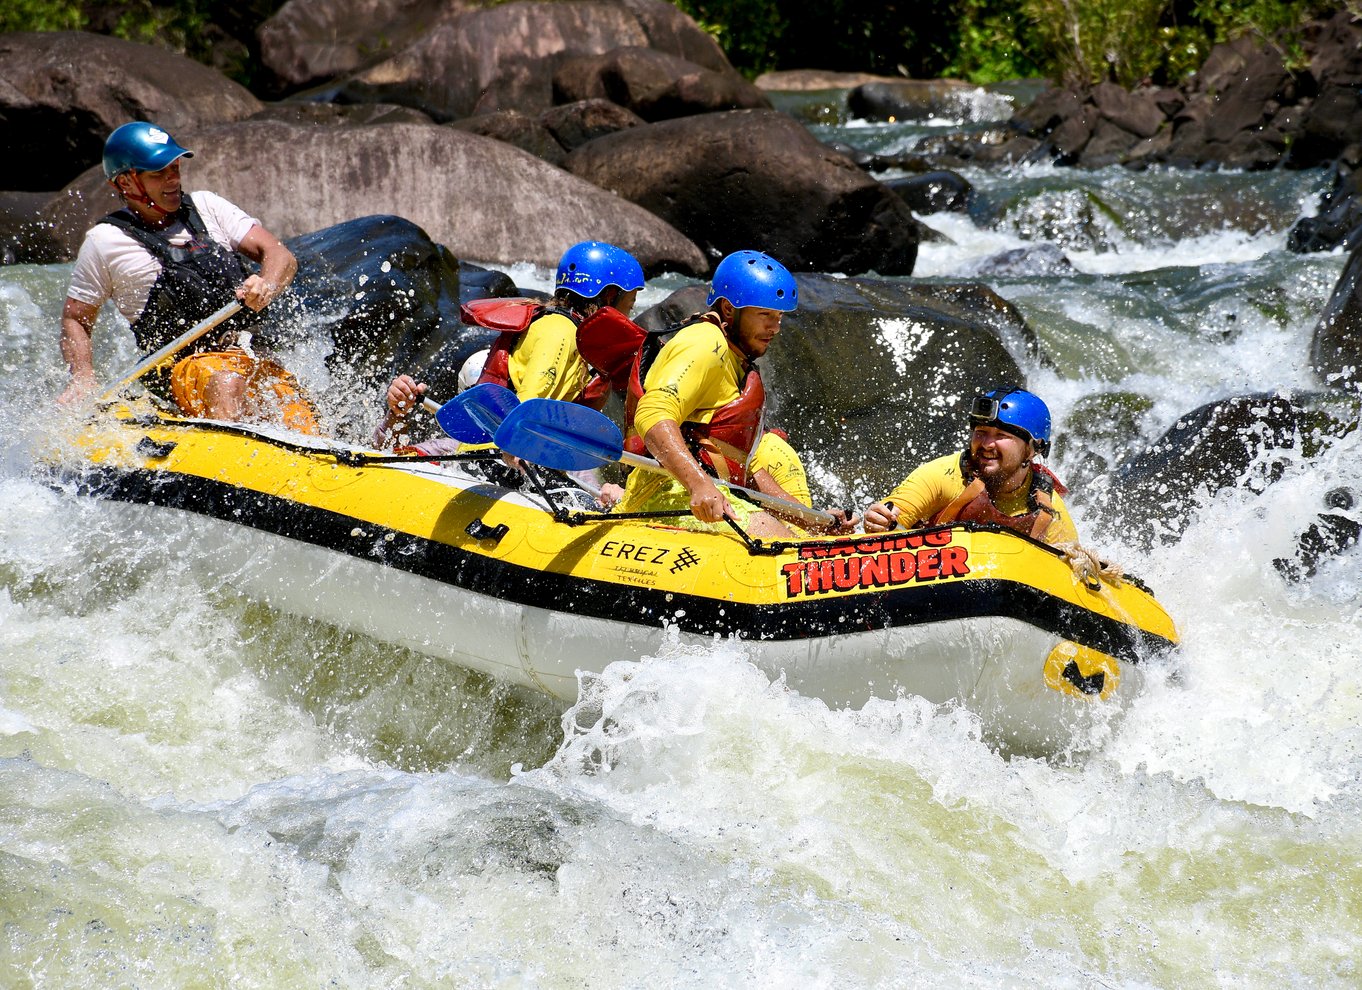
536	354
696	404
168	259
995	480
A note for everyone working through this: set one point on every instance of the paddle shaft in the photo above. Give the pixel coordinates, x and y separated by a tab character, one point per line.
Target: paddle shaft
159	357
781	505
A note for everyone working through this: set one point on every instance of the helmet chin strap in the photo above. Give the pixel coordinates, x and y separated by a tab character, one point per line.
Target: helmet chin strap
141	198
729	325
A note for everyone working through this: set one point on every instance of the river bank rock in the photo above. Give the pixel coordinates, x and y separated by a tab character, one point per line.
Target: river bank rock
492	202
1243	109
756	179
63	92
872	377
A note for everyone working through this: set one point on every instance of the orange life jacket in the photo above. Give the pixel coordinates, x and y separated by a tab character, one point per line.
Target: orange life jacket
512	317
975	505
724	445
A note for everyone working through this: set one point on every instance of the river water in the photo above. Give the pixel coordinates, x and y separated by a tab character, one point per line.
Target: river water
196	790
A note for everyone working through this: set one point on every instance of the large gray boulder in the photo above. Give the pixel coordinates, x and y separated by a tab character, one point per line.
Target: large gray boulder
310	41
307	42
504	56
653	84
483	199
63	92
756	179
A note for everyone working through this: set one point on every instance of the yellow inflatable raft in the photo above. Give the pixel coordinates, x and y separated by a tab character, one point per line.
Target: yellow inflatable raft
521	586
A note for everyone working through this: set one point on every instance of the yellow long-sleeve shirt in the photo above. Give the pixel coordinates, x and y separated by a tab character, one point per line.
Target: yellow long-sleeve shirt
546	364
695	374
936	484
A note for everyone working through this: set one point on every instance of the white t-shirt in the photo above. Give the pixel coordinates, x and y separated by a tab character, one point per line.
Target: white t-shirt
114	264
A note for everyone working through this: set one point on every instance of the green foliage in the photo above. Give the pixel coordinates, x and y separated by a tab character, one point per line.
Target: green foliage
748	31
1079	41
994	44
41	15
1090	41
1277	21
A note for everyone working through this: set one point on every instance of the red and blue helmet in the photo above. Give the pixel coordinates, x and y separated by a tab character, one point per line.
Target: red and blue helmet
590	267
1015	411
751	278
140	147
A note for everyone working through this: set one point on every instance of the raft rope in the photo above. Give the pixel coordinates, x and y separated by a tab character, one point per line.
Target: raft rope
1089	568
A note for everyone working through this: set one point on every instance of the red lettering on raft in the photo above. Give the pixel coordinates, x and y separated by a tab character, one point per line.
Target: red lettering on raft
884	569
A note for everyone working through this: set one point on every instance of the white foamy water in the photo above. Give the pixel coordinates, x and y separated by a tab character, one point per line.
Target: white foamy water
200	791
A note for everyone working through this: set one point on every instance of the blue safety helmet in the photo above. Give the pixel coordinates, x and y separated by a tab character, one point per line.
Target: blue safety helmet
140	147
750	278
1014	411
590	267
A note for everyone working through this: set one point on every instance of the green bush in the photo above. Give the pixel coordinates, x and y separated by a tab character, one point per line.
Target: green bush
1088	41
1079	41
41	15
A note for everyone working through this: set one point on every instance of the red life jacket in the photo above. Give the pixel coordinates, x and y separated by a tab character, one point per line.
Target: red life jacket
974	504
724	445
513	317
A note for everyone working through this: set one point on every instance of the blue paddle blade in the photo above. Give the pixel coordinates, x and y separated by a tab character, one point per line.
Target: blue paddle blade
560	435
473	416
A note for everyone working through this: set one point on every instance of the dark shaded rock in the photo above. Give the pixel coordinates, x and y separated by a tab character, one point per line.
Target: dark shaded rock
1331	122
756	179
1336	347
518	129
388	297
574	124
309	41
1039	259
653	84
670	30
1339	220
1242	110
871	377
504	57
998	146
1107	145
934	192
1072	135
491	202
909	99
63	92
1329	535
1237	80
1238	442
1136	113
1047	111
